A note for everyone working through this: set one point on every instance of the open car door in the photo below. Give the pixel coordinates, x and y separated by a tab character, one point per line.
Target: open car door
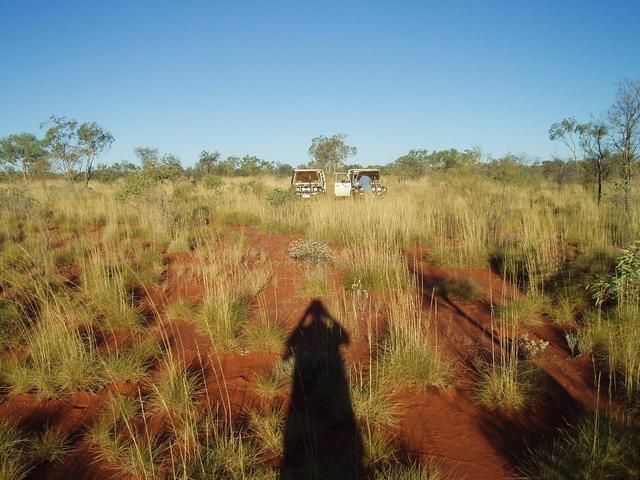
342	185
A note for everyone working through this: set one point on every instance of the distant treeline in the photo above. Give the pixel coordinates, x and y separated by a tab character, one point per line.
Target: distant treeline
604	148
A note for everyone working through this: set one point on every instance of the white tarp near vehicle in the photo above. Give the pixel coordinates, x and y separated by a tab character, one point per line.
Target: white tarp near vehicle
359	181
308	182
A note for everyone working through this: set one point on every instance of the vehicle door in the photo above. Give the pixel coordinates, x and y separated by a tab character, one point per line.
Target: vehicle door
342	185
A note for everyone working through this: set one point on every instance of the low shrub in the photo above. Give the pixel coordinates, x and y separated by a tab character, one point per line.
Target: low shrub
212	182
280	197
531	347
312	251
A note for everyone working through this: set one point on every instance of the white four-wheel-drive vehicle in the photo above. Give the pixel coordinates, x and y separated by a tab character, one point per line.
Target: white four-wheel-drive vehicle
308	182
358	181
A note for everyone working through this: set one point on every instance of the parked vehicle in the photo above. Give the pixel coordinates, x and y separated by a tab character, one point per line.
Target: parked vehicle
308	182
359	181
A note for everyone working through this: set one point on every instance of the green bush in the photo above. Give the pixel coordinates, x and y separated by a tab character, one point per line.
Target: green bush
141	182
279	197
624	284
212	182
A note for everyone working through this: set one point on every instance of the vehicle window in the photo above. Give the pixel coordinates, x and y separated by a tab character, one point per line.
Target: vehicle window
307	177
373	175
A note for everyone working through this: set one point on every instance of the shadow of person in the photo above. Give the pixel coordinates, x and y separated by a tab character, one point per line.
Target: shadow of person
321	436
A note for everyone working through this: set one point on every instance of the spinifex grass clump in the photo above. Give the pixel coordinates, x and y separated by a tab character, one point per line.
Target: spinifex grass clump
229	455
413	471
264	335
408	356
374	267
12	316
61	353
378	450
406	359
130	363
105	435
373	404
174	389
49	446
312	251
597	447
276	381
223	316
458	289
266	426
523	311
505	385
107	282
316	284
13	465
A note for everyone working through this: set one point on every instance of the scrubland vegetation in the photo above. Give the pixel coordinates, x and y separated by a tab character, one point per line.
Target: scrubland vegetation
165	304
85	284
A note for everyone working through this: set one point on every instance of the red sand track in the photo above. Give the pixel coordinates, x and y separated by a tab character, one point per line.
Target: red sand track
444	426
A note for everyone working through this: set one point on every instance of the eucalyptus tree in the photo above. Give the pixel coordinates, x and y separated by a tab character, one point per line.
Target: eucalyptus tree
149	157
93	140
624	124
567	131
24	152
330	153
61	140
594	142
208	161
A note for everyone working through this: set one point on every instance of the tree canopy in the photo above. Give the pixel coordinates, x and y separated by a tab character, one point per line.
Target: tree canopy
330	153
23	152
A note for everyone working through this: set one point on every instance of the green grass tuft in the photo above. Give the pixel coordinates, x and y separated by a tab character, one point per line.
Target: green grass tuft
265	336
408	360
12	457
524	311
596	448
506	386
458	289
414	471
49	446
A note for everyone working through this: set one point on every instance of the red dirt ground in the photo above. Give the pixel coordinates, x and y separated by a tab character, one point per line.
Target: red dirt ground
444	426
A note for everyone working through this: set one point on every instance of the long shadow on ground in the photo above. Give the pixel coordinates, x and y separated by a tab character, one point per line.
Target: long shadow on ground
321	437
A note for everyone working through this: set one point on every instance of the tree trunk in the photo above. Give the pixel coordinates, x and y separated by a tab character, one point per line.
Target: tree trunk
87	172
627	188
599	182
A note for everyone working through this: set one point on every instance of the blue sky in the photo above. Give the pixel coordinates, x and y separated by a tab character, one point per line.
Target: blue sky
265	77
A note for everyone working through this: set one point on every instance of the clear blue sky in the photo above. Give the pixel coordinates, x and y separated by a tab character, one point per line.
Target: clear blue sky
265	77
